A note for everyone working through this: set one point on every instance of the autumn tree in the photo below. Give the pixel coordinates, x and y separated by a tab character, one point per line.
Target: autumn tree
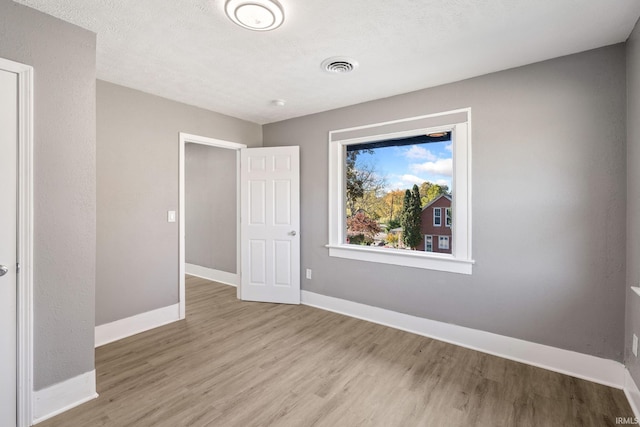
361	228
392	205
372	203
431	191
411	210
364	186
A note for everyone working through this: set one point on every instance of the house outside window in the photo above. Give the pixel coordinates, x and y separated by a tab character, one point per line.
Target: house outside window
428	227
359	142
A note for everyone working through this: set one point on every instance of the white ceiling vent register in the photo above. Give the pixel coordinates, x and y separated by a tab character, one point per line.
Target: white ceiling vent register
339	65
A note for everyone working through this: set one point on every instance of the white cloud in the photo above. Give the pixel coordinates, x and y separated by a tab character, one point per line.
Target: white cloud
412	179
443	167
416	152
402	182
449	147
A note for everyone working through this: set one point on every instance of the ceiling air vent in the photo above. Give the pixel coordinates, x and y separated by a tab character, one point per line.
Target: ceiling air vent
339	65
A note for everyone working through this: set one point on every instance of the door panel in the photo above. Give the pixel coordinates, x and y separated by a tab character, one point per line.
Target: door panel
270	224
8	228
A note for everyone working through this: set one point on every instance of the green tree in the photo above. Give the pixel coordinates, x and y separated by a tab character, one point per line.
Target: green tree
394	223
411	210
431	191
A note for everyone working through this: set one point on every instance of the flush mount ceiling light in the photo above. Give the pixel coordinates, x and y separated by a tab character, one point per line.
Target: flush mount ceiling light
339	65
257	15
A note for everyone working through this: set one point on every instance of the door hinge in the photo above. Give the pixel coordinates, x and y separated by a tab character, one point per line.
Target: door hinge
17	267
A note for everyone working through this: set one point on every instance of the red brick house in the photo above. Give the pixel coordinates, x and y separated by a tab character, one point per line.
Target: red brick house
435	226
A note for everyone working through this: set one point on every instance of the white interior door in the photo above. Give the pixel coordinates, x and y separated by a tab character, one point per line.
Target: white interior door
270	224
8	252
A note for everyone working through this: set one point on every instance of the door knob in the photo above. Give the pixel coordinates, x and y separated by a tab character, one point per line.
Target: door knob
292	233
3	270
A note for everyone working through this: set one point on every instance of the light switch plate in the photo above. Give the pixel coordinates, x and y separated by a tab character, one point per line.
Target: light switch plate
171	216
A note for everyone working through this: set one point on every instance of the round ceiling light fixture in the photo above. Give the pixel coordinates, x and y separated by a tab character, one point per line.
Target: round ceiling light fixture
339	65
257	15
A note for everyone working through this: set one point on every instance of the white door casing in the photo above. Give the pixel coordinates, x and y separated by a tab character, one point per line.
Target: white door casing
8	246
186	138
23	283
270	224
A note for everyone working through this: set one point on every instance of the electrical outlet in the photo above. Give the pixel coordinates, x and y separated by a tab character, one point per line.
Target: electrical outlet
634	345
309	273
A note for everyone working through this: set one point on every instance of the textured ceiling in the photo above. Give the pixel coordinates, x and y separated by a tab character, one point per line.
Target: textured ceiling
188	51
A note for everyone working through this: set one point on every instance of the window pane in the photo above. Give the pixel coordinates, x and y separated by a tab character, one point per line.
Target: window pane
443	242
397	191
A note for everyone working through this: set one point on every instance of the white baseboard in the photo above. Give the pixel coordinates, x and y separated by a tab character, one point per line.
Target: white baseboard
591	368
219	276
632	392
124	328
63	396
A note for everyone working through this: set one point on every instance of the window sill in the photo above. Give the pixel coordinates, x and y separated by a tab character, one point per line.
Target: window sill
429	261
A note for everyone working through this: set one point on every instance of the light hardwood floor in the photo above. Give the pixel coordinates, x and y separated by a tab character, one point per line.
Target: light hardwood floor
233	363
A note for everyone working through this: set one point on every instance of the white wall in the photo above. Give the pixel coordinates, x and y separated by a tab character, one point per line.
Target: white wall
138	148
548	205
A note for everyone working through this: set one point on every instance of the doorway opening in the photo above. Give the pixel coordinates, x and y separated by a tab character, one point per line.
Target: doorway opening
205	254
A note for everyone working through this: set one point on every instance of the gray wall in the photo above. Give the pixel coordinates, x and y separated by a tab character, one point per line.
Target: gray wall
211	207
548	205
63	57
137	249
633	199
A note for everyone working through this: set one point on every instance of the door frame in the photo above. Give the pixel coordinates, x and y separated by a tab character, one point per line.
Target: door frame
186	138
24	291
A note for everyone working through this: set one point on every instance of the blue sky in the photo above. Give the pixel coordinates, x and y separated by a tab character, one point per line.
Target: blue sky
412	164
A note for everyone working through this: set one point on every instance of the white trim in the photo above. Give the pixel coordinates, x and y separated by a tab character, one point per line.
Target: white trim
439	216
636	289
123	328
405	120
63	396
579	365
460	260
632	392
224	277
404	257
212	142
24	368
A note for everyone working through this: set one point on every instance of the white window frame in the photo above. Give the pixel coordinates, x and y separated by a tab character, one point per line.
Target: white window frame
439	217
444	238
448	220
460	260
428	238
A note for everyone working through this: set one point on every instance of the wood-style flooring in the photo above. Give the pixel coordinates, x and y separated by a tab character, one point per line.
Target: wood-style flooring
233	363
